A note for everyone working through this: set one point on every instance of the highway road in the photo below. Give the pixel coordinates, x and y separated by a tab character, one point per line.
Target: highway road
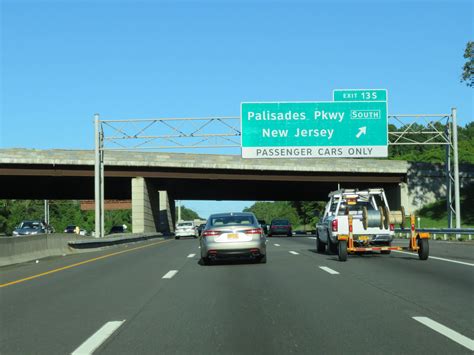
155	298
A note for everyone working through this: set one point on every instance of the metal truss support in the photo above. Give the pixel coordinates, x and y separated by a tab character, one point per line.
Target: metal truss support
457	195
99	178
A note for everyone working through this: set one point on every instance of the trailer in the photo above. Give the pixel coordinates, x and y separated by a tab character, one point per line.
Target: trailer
357	221
418	242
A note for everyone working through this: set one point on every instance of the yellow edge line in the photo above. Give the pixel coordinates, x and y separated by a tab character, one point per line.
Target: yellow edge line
78	264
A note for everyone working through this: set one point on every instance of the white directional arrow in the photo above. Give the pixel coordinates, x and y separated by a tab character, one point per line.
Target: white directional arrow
362	130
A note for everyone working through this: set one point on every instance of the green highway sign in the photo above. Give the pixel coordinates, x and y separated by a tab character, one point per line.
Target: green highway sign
359	95
314	129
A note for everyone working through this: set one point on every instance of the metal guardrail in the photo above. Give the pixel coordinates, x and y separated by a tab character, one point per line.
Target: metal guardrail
440	231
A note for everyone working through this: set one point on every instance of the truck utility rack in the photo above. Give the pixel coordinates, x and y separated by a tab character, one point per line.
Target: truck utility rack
418	242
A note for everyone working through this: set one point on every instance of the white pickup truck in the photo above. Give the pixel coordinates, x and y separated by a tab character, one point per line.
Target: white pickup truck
370	226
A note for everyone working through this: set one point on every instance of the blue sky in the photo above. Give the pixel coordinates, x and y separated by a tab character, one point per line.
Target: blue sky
62	61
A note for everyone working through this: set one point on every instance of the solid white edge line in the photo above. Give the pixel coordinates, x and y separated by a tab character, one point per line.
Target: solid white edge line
91	344
191	255
447	332
311	237
294	252
329	270
170	274
437	258
277	245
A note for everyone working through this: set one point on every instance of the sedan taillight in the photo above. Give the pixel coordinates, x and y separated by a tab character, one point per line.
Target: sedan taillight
254	231
210	233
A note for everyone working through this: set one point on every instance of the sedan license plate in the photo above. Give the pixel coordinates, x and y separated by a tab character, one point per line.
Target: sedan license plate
232	236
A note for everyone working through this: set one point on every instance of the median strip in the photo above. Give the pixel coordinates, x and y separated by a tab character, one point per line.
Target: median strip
447	332
79	263
98	338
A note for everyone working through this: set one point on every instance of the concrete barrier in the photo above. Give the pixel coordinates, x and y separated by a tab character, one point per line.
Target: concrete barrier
14	250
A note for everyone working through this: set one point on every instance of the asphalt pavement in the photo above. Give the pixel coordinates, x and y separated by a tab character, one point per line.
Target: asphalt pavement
154	297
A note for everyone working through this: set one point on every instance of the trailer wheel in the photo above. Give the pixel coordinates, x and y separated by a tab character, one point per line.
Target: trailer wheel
424	249
320	246
342	250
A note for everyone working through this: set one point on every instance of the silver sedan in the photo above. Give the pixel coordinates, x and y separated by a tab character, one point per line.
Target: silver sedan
233	235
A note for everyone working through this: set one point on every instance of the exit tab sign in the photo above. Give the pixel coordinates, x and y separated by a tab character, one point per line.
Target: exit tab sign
359	95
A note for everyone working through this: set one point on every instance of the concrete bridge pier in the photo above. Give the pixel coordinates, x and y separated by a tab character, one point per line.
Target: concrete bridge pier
167	213
152	210
397	195
145	206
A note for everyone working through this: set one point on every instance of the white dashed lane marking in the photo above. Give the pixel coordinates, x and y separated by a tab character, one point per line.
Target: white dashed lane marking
191	255
91	344
294	252
277	245
170	274
329	270
447	332
436	258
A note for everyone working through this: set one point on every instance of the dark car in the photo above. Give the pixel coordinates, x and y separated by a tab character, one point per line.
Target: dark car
280	227
70	229
118	229
31	228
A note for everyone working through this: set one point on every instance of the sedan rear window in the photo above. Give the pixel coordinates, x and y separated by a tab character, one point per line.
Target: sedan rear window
281	222
188	224
232	220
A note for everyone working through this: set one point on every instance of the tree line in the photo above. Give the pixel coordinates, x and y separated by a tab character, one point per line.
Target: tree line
62	213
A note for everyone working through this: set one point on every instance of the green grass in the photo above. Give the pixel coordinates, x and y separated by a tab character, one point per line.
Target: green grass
427	222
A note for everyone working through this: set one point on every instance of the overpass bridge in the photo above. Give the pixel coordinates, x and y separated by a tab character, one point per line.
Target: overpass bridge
153	181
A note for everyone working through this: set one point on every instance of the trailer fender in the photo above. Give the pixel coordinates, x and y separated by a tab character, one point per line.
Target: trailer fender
423	235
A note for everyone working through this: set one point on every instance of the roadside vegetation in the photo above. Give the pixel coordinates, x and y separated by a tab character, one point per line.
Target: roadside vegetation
61	214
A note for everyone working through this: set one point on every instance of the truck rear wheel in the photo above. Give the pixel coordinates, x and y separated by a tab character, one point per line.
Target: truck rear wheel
424	249
320	246
332	247
342	250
